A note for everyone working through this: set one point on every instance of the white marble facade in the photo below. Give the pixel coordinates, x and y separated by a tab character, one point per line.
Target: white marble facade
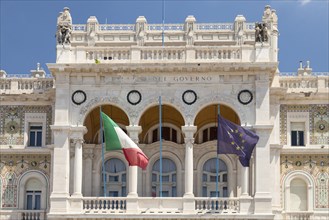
51	163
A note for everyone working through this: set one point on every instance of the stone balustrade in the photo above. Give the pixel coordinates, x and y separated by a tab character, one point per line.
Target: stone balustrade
166	53
32	215
213	53
217	205
298	84
155	205
25	85
104	204
298	215
108	54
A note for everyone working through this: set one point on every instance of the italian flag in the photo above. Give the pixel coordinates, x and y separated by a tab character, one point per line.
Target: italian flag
117	139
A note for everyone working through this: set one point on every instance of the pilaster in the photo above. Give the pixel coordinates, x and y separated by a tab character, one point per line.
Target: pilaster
262	198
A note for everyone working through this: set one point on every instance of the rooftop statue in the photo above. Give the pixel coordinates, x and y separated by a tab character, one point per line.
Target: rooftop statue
64	27
261	33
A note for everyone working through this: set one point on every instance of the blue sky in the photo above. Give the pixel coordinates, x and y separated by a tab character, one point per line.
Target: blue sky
28	28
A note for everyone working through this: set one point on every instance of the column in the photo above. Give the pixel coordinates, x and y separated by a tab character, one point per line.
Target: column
245	181
132	197
133	132
189	141
77	168
188	201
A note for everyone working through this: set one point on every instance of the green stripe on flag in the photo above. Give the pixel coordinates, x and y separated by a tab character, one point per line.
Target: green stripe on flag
112	141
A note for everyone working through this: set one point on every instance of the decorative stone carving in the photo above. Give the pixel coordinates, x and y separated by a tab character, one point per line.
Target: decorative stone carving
64	27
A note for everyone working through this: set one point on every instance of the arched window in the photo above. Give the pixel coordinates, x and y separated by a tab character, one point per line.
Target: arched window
115	178
33	190
209	178
298	194
169	178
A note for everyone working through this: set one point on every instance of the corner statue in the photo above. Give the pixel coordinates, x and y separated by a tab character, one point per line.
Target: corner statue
64	27
261	34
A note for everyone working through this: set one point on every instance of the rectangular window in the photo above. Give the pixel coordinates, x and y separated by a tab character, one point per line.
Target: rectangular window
173	178
225	177
297	133
213	178
123	178
33	200
35	135
204	178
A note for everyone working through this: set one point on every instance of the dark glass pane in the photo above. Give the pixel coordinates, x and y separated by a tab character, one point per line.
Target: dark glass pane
204	178
166	133
113	194
174	135
35	127
213	194
205	135
32	138
113	178
174	191
213	133
165	178
123	178
225	192
39	139
29	202
123	190
155	135
224	177
204	191
293	138
154	177
37	204
165	194
173	178
301	138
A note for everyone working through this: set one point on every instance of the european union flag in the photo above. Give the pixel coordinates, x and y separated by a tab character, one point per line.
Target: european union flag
234	139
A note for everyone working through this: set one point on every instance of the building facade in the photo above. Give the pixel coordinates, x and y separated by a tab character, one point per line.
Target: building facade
51	150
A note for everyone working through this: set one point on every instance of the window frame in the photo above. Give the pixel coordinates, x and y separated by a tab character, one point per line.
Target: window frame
35	119
298	117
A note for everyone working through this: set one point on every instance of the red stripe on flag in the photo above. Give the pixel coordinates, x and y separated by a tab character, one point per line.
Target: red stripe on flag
135	157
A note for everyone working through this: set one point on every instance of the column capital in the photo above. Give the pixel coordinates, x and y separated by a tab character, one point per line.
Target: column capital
133	132
189	130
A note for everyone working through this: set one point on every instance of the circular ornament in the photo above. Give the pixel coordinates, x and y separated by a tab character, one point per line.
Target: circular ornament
298	163
12	127
134	97
34	163
189	97
245	97
79	97
322	126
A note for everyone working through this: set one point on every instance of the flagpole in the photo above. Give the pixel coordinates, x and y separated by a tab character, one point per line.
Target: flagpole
217	158
102	141
160	137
